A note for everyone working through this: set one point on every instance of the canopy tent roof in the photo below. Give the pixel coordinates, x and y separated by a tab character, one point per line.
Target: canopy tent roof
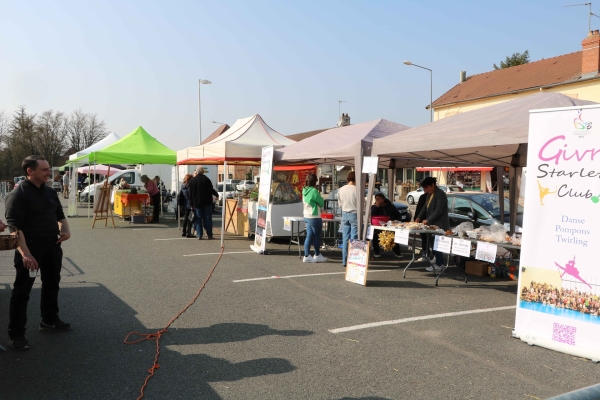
136	148
109	139
339	146
241	144
100	169
488	136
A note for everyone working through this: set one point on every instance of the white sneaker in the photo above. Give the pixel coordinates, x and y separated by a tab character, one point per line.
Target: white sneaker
308	259
434	267
320	258
423	259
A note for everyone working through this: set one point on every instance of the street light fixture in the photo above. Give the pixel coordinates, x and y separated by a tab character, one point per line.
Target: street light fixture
200	83
430	87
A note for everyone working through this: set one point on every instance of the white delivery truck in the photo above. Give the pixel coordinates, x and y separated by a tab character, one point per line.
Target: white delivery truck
152	170
132	176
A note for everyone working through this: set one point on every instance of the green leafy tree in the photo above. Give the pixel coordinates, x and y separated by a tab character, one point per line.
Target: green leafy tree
515	59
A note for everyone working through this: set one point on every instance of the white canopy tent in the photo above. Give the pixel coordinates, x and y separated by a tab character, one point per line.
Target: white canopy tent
241	145
341	146
72	204
109	139
491	136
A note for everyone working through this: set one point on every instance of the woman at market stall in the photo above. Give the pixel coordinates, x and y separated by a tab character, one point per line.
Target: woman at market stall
384	207
154	194
186	204
435	212
312	200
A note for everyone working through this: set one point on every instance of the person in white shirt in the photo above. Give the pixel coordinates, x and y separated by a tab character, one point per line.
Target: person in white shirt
347	202
65	181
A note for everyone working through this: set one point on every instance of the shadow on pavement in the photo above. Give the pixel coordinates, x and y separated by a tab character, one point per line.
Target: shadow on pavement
92	362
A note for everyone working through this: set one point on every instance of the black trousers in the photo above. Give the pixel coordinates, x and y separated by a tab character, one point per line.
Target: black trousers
156	205
49	258
187	225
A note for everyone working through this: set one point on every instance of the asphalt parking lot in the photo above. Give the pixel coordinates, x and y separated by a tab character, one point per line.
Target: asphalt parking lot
269	327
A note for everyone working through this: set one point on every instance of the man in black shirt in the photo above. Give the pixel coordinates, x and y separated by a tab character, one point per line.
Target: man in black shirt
35	210
201	197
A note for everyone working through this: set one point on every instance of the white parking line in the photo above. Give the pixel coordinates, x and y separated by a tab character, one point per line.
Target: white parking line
300	276
181	238
212	254
424	317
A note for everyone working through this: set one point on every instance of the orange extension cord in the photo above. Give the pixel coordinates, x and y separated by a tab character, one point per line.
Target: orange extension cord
156	336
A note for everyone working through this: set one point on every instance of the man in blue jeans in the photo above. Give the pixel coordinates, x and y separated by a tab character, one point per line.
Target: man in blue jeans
347	202
201	198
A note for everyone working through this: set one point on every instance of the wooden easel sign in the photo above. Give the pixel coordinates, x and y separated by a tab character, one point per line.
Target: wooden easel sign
102	207
357	263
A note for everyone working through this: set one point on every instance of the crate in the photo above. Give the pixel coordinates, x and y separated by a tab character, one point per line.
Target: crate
478	268
138	219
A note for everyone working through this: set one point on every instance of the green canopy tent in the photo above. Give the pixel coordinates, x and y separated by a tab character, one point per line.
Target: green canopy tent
136	148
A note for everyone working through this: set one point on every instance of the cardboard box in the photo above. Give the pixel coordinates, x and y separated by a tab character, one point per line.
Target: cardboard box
138	219
479	268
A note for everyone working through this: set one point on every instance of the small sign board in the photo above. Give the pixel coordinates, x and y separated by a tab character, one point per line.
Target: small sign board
287	225
370	165
401	236
370	232
358	261
442	243
461	247
486	252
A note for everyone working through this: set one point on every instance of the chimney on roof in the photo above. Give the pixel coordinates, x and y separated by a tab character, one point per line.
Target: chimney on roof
463	76
344	120
590	59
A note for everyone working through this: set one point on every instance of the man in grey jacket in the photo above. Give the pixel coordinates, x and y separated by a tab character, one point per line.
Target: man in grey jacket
435	212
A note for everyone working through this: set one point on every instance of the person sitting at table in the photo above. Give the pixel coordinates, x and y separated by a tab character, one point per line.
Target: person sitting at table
123	184
154	194
312	200
435	212
384	207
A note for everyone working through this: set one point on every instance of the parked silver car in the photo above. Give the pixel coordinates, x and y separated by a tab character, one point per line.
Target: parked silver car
413	197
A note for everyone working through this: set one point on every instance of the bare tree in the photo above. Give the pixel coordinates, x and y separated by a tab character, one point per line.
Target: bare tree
83	130
96	130
50	131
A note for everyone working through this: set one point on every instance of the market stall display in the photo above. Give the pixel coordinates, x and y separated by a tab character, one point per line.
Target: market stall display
283	201
127	204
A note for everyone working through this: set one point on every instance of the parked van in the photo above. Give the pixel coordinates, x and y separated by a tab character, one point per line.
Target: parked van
132	176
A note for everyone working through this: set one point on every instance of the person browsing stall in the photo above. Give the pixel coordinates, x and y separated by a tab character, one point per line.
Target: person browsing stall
65	181
35	210
312	201
201	199
154	194
425	246
186	205
346	196
435	212
384	207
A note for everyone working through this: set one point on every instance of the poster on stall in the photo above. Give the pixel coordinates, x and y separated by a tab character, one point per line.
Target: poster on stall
295	175
357	264
558	302
264	192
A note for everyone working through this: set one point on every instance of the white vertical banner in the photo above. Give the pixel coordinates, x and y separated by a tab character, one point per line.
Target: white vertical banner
264	193
558	304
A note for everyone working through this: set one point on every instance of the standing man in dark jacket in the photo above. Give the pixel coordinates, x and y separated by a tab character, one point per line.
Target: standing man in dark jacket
425	245
384	207
435	212
35	210
201	197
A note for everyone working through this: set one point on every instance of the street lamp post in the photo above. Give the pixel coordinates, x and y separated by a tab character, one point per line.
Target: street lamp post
430	87
200	83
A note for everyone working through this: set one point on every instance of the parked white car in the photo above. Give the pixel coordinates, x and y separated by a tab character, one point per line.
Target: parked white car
413	197
229	192
246	185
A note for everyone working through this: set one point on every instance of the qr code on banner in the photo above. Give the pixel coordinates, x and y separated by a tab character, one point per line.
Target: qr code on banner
564	333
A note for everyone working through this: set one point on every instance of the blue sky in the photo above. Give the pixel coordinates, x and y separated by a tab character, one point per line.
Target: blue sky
137	63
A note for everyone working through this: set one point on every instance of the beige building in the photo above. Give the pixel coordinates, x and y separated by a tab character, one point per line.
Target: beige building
574	74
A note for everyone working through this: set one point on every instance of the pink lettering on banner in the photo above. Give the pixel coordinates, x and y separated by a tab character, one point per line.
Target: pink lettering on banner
550	152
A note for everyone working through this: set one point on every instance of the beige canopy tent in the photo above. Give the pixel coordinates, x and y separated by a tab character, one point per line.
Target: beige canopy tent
341	146
492	136
241	145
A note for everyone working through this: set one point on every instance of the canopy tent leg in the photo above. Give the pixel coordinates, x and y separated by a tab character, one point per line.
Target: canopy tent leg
223	205
89	189
500	184
177	194
360	187
514	191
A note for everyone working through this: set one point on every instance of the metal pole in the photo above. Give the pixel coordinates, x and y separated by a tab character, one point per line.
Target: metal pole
431	94
223	205
177	193
199	116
